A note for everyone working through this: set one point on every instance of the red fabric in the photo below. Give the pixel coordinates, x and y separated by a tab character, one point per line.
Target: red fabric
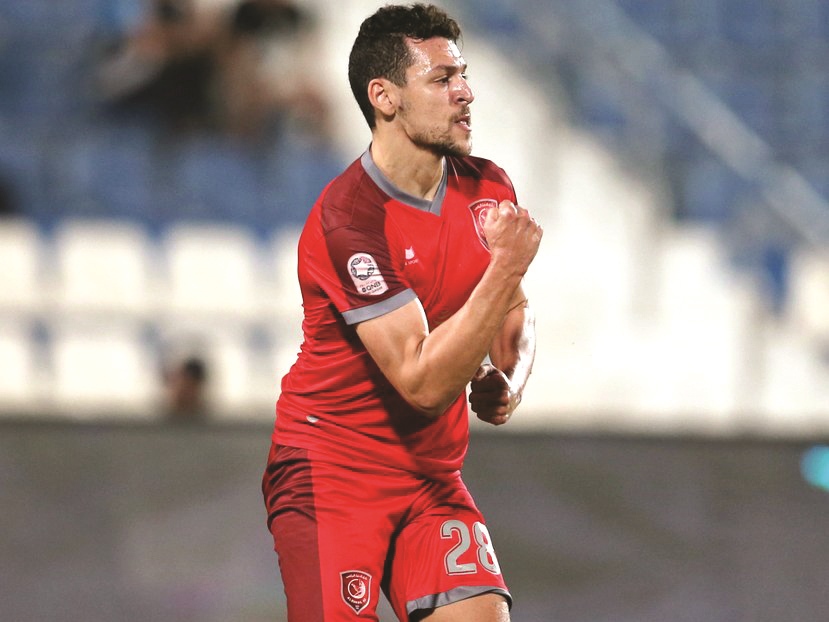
334	400
342	532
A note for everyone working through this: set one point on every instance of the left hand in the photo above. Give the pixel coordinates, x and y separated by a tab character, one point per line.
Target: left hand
492	396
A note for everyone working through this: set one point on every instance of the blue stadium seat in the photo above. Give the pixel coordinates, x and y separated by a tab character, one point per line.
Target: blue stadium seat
215	180
655	17
295	173
753	22
709	191
108	172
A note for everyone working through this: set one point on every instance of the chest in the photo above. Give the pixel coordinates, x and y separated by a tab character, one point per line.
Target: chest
441	257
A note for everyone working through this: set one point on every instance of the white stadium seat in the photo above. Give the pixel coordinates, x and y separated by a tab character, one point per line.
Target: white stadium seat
808	305
20	379
281	297
104	268
212	272
100	372
21	256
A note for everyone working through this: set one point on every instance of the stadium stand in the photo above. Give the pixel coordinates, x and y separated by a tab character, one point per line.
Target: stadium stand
714	116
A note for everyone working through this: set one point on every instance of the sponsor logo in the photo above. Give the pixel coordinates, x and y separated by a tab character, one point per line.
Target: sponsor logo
355	587
479	210
366	275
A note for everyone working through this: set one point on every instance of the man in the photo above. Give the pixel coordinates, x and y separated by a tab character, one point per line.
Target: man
410	266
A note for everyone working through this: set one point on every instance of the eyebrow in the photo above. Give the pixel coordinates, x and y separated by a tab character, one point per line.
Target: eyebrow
449	68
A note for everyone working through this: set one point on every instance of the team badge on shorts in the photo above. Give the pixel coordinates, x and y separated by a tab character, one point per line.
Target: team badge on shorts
366	275
355	587
479	211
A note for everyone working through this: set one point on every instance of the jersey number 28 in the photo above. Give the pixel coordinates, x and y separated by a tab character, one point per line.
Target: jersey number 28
458	530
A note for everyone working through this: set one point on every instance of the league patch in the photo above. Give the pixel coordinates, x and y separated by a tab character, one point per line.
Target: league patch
366	275
479	211
355	589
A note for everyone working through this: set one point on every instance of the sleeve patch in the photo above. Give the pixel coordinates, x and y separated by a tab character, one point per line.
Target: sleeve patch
366	275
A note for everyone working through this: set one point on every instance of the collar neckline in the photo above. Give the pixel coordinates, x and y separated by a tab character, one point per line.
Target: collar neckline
432	206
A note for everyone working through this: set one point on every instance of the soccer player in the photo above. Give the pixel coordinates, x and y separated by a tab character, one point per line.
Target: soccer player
410	265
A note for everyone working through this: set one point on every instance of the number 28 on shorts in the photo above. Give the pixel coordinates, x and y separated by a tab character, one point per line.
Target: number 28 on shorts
457	561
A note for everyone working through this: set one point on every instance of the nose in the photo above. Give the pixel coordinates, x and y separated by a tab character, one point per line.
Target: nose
464	92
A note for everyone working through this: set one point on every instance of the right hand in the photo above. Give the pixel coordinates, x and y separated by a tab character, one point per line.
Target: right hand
512	235
492	396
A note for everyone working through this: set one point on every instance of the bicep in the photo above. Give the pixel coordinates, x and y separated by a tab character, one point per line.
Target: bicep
394	340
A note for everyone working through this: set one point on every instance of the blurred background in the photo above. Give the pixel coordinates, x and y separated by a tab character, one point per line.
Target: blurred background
157	159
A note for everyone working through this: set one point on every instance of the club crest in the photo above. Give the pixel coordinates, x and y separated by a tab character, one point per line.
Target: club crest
356	589
479	210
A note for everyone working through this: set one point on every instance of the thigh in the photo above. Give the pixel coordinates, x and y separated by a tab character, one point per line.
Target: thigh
444	555
332	529
488	607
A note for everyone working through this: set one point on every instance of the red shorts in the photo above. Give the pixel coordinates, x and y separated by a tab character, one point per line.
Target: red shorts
344	533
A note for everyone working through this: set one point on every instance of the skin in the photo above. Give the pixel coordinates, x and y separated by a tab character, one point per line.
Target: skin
417	124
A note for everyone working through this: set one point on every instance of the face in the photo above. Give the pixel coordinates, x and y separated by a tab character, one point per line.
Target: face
434	105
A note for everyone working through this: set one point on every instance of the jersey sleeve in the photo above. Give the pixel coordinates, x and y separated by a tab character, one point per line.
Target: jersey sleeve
362	282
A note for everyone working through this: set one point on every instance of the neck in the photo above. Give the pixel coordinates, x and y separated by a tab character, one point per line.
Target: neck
414	170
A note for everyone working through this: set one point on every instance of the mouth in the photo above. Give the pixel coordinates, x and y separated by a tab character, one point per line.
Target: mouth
465	121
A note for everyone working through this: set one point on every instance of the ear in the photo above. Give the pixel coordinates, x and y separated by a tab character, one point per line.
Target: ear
384	96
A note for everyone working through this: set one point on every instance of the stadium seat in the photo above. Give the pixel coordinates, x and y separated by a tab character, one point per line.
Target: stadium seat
214	181
693	283
212	273
20	378
100	372
21	258
104	268
232	376
793	390
108	172
229	358
281	297
808	300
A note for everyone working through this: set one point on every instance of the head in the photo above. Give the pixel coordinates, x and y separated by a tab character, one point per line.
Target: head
186	382
398	45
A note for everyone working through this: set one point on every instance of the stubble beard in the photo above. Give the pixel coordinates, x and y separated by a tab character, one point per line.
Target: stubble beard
442	143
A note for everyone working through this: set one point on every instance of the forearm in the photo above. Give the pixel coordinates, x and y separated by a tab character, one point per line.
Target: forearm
451	354
431	369
513	350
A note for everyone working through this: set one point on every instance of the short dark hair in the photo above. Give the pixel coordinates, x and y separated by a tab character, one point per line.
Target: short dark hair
380	49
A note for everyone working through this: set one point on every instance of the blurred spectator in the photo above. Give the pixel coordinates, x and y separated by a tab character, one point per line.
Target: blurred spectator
185	384
235	66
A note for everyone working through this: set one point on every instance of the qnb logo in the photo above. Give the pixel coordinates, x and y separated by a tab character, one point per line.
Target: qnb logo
355	588
479	210
366	275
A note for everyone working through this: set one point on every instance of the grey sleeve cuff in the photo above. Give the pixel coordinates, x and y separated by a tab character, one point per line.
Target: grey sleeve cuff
361	314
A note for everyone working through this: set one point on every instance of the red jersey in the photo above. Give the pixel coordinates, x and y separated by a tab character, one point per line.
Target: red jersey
368	248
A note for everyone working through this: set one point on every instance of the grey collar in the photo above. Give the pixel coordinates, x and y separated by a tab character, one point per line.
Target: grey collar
395	193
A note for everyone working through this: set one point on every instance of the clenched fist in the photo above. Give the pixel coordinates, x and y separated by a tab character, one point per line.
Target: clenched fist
492	396
513	236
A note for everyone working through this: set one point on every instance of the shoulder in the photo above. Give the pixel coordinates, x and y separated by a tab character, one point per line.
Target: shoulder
478	169
351	199
478	175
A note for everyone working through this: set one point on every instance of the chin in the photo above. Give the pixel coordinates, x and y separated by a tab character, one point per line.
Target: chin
458	150
445	146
